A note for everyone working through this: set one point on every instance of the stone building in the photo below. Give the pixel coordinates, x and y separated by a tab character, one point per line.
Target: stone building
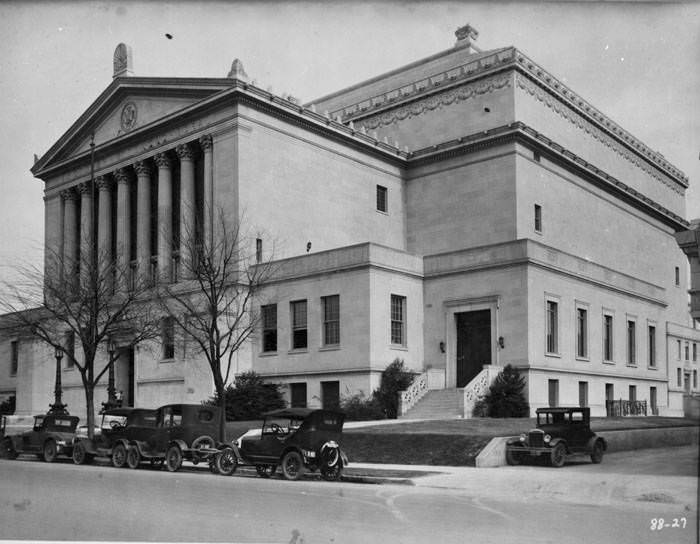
461	213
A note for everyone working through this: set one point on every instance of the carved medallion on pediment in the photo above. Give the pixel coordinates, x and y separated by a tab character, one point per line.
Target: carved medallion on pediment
129	116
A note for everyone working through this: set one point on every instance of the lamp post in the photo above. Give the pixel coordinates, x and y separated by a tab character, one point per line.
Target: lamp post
58	407
111	392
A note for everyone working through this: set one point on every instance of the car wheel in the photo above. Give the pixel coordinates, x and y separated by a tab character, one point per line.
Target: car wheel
173	458
50	451
513	457
8	449
119	455
265	471
133	457
332	474
79	454
597	453
292	465
558	455
226	462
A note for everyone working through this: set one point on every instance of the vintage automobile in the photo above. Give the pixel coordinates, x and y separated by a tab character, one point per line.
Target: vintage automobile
560	432
297	439
51	436
118	428
181	432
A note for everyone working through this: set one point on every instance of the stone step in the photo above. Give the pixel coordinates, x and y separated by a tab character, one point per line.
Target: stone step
437	404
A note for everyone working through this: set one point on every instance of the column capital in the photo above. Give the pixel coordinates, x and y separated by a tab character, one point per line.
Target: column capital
206	142
69	194
103	183
185	152
143	168
84	188
122	176
163	160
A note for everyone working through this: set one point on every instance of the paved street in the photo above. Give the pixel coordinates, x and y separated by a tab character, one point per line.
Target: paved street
65	501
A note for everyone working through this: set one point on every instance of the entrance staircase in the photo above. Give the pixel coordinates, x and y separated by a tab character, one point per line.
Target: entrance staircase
438	404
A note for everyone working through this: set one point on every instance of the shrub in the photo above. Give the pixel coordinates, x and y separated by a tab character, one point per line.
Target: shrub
505	396
249	397
395	378
480	409
7	406
361	408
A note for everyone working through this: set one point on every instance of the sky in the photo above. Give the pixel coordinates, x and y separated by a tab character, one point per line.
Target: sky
639	63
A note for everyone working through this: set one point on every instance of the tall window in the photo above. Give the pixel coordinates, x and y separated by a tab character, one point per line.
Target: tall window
552	327
14	357
631	342
678	343
652	346
553	390
168	337
331	320
269	327
581	332
583	394
299	330
258	250
678	276
633	393
398	320
695	379
69	348
298	394
652	401
695	352
687	351
538	218
382	203
679	377
608	337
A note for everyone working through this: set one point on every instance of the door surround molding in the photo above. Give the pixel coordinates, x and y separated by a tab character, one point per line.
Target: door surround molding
456	306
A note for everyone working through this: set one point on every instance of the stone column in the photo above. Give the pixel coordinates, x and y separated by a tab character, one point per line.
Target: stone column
207	147
187	209
165	217
143	221
104	225
70	231
86	234
123	228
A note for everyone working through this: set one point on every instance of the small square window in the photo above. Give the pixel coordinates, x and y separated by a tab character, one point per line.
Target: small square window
382	203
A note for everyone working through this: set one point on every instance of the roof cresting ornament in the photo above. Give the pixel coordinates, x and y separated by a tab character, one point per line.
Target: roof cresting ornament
123	61
465	34
237	71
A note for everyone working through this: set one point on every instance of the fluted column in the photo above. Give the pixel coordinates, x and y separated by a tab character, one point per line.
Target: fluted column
207	147
187	208
70	231
104	222
86	234
123	228
143	220
165	217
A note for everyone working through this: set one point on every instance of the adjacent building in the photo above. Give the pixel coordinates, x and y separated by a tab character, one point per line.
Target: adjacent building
460	213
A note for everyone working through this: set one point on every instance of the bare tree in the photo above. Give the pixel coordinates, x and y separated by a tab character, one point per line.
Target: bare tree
216	305
93	297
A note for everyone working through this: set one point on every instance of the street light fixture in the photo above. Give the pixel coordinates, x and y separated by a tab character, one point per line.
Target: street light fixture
111	391
58	407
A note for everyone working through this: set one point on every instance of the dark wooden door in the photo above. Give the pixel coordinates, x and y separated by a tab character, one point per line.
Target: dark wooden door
473	344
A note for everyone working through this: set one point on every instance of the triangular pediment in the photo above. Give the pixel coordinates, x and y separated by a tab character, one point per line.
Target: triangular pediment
126	106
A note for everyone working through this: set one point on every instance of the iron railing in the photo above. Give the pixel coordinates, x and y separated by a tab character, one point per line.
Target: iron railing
621	408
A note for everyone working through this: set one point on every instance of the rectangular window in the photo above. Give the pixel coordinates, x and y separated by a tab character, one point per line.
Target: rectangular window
298	394
678	276
299	331
695	352
652	401
552	327
609	392
695	379
538	218
607	337
679	377
269	327
678	342
631	342
258	250
582	332
633	393
583	394
14	357
330	395
168	337
398	320
687	351
382	204
652	346
553	387
331	320
69	348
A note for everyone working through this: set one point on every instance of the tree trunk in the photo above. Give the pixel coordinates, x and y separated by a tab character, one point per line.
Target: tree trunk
90	405
222	419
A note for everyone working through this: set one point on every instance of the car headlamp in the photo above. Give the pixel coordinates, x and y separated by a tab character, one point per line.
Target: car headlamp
547	439
309	454
523	437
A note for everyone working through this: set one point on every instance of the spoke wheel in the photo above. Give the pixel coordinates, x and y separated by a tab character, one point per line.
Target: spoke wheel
50	451
226	462
173	458
79	454
597	453
333	473
265	471
119	456
513	457
133	457
558	455
292	465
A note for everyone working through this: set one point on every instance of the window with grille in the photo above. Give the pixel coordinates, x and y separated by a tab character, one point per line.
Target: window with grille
631	342
652	346
382	204
552	327
538	218
608	337
298	309
581	332
269	327
398	320
331	320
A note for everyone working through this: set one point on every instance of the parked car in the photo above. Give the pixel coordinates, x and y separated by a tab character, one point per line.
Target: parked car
297	439
119	426
560	432
51	435
181	432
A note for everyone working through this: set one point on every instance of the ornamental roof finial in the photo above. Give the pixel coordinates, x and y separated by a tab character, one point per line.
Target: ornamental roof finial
237	71
465	34
123	61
